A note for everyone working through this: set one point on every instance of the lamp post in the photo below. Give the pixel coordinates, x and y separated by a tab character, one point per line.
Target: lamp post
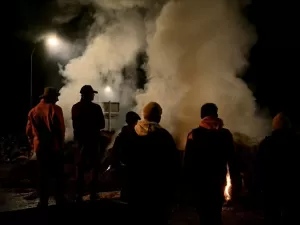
51	41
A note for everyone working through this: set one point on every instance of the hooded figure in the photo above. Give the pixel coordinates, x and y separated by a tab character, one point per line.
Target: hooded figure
209	149
152	165
278	169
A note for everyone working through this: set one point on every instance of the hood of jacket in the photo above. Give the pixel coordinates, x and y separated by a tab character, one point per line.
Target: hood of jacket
211	123
144	127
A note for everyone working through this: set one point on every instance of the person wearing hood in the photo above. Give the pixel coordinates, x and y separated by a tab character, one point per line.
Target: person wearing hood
278	169
152	166
209	149
46	133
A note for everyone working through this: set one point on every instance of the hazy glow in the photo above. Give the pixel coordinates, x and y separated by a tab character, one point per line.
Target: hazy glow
107	89
52	41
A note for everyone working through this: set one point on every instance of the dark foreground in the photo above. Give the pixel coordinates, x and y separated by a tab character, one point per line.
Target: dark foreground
107	211
104	212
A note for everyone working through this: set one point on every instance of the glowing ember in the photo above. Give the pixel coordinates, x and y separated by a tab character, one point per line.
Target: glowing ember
227	187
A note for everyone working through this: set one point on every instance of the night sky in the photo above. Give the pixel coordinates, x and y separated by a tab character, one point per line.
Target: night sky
272	75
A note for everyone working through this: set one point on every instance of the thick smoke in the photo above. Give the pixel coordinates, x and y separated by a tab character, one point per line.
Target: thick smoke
196	48
194	57
119	38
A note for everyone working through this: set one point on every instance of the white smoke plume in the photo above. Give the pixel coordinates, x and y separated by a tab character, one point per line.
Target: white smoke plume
197	51
196	48
120	38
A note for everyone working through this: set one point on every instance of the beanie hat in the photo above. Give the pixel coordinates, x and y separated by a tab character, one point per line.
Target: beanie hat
281	121
152	110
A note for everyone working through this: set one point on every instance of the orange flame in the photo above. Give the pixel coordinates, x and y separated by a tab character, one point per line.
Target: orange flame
227	187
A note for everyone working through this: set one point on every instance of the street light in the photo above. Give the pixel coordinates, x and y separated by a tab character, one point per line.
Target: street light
52	41
107	89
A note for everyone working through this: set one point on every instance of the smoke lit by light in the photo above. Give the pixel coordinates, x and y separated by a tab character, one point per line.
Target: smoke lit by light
107	89
52	41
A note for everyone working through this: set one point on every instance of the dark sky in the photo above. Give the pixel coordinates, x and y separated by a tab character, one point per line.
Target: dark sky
273	72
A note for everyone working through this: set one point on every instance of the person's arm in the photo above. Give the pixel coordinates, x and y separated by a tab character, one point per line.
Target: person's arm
174	158
187	162
260	163
75	121
29	130
59	125
101	119
117	150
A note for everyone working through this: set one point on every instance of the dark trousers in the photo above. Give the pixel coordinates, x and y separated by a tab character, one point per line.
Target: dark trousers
210	211
208	203
50	166
150	210
90	159
279	210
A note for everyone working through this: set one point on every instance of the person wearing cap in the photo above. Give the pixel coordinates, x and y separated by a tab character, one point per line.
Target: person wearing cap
208	151
46	132
152	166
88	121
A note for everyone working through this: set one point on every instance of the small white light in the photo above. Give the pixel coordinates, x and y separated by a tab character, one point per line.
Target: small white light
107	89
52	41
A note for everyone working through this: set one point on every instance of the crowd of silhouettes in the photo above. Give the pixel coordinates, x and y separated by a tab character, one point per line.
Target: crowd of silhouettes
151	163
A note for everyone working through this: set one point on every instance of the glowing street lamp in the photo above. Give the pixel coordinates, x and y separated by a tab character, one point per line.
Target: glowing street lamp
107	89
51	41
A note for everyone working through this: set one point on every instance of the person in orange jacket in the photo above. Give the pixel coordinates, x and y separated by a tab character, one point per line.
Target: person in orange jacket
46	133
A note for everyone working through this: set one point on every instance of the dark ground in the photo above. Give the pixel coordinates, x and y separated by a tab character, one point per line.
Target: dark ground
16	207
108	210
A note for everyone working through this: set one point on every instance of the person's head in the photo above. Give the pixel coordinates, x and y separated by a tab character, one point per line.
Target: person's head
281	121
88	93
209	109
132	118
152	112
50	95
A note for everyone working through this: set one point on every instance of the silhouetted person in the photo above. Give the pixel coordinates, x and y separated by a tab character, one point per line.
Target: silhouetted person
209	149
120	151
46	131
88	120
279	172
152	167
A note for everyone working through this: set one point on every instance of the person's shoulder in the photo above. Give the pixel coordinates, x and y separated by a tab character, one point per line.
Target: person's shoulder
126	130
57	107
266	141
31	111
96	106
76	105
226	131
164	131
190	135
